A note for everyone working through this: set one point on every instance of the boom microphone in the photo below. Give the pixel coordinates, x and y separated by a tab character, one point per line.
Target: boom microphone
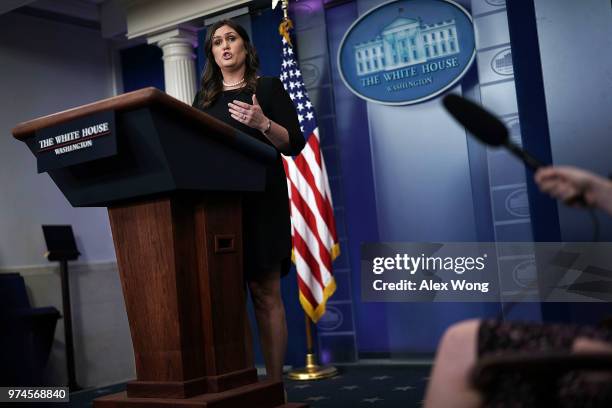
491	131
486	127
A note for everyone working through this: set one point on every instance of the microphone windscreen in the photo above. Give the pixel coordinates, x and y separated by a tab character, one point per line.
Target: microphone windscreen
479	122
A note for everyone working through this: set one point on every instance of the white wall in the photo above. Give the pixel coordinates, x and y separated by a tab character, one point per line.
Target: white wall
46	67
575	39
102	344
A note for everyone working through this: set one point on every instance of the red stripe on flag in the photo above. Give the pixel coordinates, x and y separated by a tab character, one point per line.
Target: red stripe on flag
311	221
328	215
313	141
305	291
323	204
304	251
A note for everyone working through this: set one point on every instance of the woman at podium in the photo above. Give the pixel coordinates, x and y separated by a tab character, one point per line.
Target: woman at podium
231	91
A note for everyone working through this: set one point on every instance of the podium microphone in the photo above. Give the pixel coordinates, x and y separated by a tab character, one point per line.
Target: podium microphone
486	127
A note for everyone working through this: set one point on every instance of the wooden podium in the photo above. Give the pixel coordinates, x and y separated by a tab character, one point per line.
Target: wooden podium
173	191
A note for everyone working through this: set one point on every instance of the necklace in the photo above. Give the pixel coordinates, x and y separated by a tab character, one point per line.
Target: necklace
234	84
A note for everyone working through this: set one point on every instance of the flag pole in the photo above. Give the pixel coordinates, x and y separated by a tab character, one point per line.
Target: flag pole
312	371
285	6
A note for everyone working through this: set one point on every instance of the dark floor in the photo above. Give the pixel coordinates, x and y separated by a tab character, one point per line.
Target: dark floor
356	386
364	386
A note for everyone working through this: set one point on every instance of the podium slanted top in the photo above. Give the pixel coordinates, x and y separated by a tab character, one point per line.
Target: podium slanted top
141	144
149	97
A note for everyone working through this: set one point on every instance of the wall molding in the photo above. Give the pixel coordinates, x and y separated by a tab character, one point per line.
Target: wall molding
53	267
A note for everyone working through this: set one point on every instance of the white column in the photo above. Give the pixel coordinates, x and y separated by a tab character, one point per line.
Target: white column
179	62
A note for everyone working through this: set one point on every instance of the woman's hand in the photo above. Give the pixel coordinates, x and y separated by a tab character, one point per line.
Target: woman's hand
253	116
569	183
250	115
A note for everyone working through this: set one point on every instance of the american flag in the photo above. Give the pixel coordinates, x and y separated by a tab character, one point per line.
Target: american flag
313	227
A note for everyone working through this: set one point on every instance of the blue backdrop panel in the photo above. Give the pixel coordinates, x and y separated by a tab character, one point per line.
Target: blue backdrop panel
336	335
423	189
142	66
359	196
564	121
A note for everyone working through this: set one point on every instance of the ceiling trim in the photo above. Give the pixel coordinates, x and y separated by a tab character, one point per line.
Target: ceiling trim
146	17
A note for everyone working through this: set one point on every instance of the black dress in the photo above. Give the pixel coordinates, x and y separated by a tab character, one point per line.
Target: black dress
265	216
575	389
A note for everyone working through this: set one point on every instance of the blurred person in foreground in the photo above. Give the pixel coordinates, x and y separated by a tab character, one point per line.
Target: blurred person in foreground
464	343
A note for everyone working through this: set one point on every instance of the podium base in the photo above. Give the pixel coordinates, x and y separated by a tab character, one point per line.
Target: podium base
263	394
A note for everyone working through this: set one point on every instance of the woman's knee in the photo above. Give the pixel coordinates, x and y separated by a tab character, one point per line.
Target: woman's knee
266	294
460	336
587	345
